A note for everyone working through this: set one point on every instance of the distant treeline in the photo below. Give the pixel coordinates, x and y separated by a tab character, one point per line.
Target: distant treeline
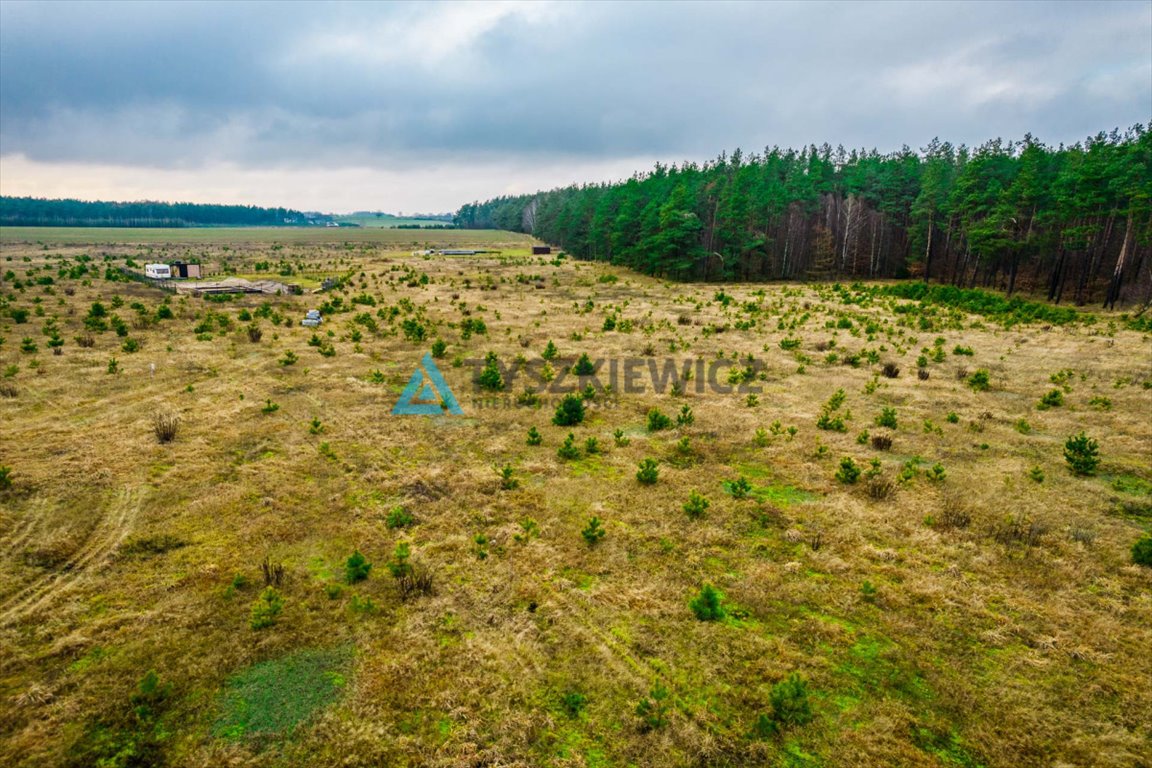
39	212
1071	222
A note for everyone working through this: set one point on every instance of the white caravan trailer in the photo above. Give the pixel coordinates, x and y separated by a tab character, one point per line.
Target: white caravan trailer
158	271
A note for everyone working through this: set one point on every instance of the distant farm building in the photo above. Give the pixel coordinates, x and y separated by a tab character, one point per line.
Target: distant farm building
157	271
541	250
184	269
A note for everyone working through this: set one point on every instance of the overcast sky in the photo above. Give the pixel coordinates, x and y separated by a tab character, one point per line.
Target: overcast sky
422	107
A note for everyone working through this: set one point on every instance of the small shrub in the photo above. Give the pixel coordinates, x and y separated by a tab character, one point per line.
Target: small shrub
881	442
490	377
620	438
507	481
849	471
964	351
1053	399
529	529
685	418
28	345
254	333
550	352
594	532
831	423
836	400
887	418
269	407
591	446
890	370
315	427
979	381
653	710
1142	550
740	488
1082	454
569	412
5	478
113	365
696	506
790	705
648	472
936	473
165	425
266	609
568	449
708	605
584	366
356	568
439	347
399	566
289	358
952	417
923	374
658	421
1036	475
573	703
534	436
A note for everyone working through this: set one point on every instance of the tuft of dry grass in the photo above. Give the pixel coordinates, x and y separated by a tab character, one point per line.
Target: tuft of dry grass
165	426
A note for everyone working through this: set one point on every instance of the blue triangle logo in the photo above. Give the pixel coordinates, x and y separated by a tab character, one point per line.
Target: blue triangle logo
427	393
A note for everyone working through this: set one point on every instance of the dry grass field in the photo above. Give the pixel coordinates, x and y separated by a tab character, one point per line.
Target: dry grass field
967	601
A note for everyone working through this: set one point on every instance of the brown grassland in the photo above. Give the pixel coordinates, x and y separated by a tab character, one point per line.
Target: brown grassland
991	616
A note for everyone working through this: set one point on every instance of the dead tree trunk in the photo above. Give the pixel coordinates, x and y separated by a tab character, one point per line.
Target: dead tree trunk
1118	273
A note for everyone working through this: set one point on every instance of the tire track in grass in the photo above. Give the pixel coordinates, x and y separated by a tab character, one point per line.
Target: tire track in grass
642	673
22	530
99	546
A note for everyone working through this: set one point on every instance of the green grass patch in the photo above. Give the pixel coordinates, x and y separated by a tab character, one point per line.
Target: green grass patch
1131	484
948	748
273	697
594	466
776	494
994	306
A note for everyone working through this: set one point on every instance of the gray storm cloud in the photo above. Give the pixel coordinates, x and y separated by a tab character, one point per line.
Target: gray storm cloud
391	86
